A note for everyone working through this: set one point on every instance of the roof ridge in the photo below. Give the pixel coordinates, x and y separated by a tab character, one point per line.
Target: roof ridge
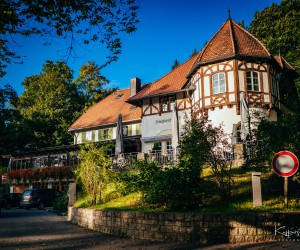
232	35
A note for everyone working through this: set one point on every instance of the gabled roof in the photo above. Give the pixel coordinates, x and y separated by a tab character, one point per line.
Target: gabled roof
231	41
106	112
283	63
172	82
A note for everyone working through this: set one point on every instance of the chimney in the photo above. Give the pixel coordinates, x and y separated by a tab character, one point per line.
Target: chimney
135	86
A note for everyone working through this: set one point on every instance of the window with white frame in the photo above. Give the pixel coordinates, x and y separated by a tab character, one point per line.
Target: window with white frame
125	130
88	135
105	133
164	104
252	81
218	83
172	103
167	103
169	146
157	146
274	86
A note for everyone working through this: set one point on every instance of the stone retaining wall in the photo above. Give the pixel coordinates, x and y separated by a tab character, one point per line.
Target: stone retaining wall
191	227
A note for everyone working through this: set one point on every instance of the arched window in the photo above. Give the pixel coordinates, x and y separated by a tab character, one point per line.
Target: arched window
218	83
236	133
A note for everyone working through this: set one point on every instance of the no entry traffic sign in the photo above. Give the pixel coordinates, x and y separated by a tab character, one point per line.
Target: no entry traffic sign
285	163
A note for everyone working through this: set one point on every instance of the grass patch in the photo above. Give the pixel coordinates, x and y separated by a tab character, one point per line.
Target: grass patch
241	201
126	202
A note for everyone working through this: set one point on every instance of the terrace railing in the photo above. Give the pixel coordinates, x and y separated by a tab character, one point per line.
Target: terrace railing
123	162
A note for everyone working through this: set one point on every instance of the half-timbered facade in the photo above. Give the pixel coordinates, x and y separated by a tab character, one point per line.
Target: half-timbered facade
210	85
233	65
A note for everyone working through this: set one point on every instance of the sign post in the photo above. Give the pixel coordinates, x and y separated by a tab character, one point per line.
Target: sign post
286	184
285	164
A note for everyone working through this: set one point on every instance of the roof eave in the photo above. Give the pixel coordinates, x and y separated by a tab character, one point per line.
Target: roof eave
243	57
134	101
102	125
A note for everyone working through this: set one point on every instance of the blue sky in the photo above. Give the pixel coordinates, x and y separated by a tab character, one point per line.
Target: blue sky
168	30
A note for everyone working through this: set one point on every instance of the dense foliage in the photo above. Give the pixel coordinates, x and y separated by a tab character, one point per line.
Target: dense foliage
94	171
51	102
90	85
277	27
274	136
61	203
8	116
78	22
48	104
181	186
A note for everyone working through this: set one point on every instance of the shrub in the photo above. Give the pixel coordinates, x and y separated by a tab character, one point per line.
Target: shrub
94	171
61	203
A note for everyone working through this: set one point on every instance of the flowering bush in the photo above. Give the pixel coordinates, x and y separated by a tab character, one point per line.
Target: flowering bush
36	174
14	175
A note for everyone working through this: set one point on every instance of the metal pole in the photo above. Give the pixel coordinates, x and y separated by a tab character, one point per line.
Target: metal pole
286	182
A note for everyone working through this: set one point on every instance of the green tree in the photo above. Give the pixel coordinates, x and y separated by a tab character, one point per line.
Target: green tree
274	136
90	84
195	52
13	135
277	27
220	160
78	22
175	64
94	171
49	104
9	129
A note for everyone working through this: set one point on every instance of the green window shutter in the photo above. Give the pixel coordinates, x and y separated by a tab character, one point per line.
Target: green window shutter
138	129
83	137
110	133
93	135
129	130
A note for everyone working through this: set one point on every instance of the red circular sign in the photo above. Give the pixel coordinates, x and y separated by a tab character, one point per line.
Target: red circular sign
285	163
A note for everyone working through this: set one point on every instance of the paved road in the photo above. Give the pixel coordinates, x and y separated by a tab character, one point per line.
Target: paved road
42	229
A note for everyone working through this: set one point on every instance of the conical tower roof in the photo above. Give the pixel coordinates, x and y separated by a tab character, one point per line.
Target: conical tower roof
231	41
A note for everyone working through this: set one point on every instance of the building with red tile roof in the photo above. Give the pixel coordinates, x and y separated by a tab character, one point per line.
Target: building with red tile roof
100	121
232	64
233	77
105	112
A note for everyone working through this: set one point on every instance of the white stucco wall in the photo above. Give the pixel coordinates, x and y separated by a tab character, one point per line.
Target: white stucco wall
156	124
159	125
226	116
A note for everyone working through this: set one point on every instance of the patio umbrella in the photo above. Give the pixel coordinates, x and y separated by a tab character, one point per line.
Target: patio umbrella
119	136
244	111
175	130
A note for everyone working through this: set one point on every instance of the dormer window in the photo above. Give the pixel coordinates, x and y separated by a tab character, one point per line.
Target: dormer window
119	96
252	81
164	104
167	104
218	83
